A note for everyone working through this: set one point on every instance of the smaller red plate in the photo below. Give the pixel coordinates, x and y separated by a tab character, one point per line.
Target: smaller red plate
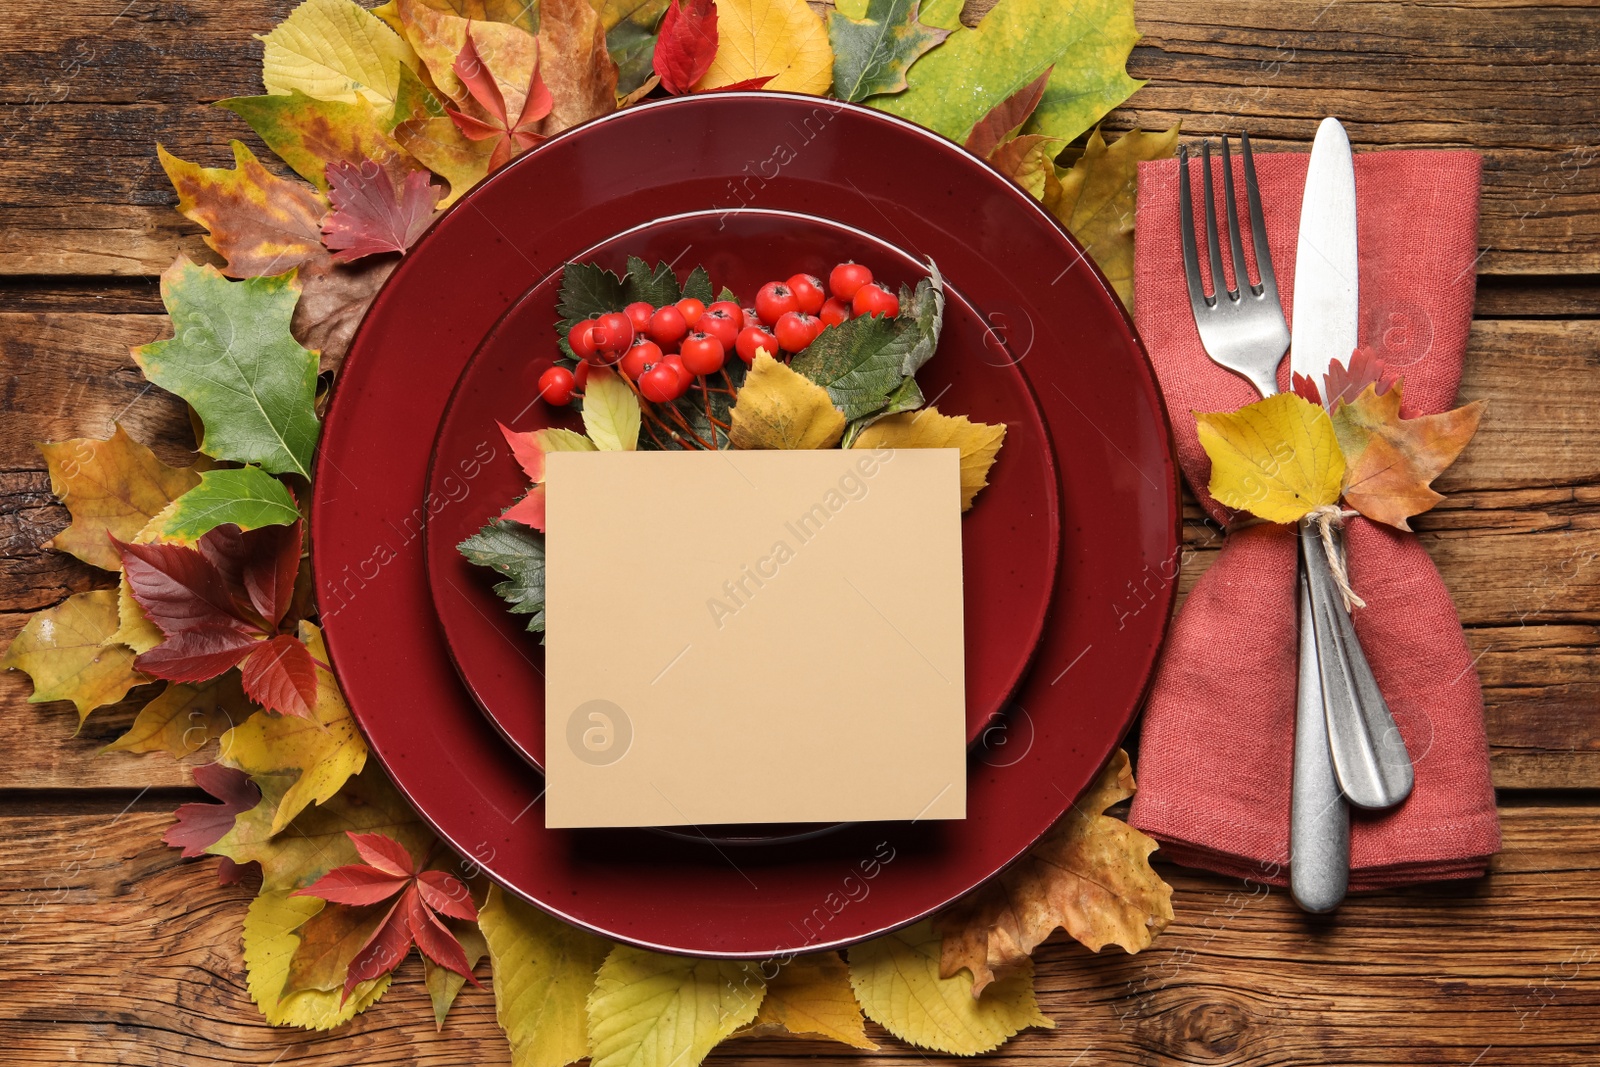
1010	539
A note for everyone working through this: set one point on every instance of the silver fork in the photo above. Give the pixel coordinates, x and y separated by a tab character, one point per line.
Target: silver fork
1244	330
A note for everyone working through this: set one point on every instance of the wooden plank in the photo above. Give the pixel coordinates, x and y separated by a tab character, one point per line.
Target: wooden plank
121	953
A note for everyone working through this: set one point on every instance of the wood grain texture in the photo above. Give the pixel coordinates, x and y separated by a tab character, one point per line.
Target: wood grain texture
121	953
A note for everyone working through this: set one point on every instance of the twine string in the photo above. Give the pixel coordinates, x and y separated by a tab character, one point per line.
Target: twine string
1328	518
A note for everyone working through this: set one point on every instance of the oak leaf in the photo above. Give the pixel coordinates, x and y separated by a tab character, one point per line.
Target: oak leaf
1006	118
115	487
308	134
236	363
874	45
777	408
811	996
543	972
781	39
246	497
896	979
370	216
574	64
685	44
69	653
271	939
1277	458
979	442
313	757
650	1008
334	50
1391	461
1089	874
258	222
1095	200
183	718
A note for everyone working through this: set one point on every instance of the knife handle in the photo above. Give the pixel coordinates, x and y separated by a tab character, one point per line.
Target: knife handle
1370	759
1319	820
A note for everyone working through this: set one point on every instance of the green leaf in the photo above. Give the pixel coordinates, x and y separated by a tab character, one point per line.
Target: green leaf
632	46
864	361
587	290
235	362
959	82
906	398
871	54
729	295
611	413
543	972
924	305
941	14
517	552
658	287
653	1010
698	285
248	497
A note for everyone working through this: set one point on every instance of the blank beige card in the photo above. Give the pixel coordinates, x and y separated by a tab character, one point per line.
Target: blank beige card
753	637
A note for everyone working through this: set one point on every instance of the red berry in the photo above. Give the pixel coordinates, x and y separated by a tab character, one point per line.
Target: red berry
702	353
774	301
751	318
834	311
796	330
730	308
752	338
612	335
846	278
580	374
659	384
639	313
643	353
719	324
579	339
685	379
808	292
875	300
667	326
555	385
692	309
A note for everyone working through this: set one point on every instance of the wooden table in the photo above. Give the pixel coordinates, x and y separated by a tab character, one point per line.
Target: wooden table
117	951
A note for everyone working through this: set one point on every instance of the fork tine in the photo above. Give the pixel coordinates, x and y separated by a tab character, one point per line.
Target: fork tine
1213	248
1241	276
1258	226
1191	255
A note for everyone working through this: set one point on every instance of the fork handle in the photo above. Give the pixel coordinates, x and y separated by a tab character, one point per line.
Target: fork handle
1319	819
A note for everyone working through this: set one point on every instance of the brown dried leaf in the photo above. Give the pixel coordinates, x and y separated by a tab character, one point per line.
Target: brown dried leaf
333	298
1391	461
574	64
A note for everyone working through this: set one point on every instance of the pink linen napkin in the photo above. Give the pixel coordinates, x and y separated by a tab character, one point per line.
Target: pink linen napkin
1216	751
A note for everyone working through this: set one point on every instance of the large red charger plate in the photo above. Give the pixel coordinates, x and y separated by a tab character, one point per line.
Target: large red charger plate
1009	545
1033	283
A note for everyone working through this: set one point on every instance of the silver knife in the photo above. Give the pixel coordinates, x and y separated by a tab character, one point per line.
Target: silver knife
1369	758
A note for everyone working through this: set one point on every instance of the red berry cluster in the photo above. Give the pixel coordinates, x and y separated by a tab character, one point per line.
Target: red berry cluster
662	350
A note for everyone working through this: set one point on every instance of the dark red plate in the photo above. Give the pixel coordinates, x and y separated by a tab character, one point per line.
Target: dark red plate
1029	281
1009	543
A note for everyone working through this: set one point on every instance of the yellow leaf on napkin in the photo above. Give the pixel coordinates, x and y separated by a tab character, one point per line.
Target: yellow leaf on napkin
1277	458
781	38
779	408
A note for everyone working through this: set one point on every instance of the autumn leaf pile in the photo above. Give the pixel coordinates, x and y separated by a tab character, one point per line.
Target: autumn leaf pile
380	119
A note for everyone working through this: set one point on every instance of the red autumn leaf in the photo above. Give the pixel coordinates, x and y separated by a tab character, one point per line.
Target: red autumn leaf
529	510
527	450
369	215
1006	116
1348	382
1303	387
510	137
686	44
390	870
218	605
201	825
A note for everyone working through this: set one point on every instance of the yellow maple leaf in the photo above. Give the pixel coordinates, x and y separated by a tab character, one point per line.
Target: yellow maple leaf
112	487
1277	458
270	941
1089	874
652	1010
183	717
256	221
320	751
979	442
1390	461
68	652
779	408
334	50
896	979
781	38
811	996
1095	200
543	972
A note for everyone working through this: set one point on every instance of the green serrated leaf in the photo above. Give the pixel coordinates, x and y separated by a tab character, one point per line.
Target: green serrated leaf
924	305
611	413
860	361
587	290
729	295
908	397
698	285
692	406
658	287
248	497
235	362
872	53
632	45
517	552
